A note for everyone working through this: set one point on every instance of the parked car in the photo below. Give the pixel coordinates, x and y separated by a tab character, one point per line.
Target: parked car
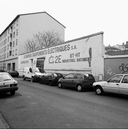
51	78
1	70
77	80
13	73
7	83
32	74
116	84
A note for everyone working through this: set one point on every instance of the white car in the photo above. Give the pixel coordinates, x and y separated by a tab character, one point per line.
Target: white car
7	83
116	84
32	74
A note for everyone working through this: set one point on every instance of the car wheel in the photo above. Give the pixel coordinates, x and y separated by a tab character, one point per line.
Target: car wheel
40	81
24	78
99	90
12	92
60	85
79	88
50	83
32	79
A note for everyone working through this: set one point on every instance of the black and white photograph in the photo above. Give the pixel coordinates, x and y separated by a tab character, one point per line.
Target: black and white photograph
63	64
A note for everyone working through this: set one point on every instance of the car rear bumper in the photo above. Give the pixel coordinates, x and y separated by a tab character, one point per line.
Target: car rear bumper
88	86
8	89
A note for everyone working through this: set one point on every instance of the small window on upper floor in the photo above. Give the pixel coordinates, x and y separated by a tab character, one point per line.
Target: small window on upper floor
17	22
16	52
16	41
13	43
13	34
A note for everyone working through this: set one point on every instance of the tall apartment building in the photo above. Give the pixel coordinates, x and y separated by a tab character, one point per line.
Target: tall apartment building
12	39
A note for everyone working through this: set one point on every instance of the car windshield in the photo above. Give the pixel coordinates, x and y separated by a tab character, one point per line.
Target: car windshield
5	77
59	74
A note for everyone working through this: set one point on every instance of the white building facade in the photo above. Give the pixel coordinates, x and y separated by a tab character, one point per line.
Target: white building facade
82	55
22	28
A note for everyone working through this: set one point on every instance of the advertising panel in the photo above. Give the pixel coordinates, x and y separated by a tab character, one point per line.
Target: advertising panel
80	55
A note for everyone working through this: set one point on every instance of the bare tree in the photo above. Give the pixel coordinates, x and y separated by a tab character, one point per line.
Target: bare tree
42	40
30	45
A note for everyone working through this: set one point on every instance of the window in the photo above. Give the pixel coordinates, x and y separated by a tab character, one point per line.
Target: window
17	22
13	66
69	76
116	79
16	41
13	53
10	53
125	79
79	76
14	25
1	78
16	32
16	52
13	34
6	77
13	43
8	47
10	35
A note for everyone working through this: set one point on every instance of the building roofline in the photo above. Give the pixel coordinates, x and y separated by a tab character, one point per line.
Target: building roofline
10	24
87	36
42	12
98	33
29	14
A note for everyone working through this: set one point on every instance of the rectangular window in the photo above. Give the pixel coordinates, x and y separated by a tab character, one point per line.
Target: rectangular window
13	66
13	43
17	22
13	34
16	52
16	32
16	41
10	53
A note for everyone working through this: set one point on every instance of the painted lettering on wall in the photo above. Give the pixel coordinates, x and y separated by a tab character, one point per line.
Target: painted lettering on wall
52	50
73	57
25	62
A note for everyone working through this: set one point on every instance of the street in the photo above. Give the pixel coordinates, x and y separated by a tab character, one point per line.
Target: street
42	106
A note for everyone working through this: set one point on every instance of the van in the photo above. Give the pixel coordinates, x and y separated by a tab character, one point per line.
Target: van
32	74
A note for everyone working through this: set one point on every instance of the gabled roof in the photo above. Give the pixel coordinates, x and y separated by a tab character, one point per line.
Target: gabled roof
29	14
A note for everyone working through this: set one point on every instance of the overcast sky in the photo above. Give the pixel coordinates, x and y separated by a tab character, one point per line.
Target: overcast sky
80	17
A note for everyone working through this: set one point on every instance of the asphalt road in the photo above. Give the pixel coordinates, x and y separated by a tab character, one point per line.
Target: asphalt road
41	106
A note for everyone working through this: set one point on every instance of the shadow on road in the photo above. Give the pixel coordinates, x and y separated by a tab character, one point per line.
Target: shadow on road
8	95
113	95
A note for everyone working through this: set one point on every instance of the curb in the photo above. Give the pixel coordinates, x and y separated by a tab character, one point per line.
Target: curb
3	123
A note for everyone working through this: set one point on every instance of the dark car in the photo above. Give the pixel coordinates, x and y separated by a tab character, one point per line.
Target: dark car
51	78
1	70
7	83
13	73
77	80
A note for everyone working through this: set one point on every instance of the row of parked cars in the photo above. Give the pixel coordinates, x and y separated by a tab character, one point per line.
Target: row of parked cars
116	84
75	80
13	73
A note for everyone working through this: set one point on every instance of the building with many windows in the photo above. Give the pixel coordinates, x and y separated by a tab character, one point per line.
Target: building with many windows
12	39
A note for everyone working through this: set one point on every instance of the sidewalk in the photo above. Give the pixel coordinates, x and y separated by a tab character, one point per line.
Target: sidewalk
3	124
